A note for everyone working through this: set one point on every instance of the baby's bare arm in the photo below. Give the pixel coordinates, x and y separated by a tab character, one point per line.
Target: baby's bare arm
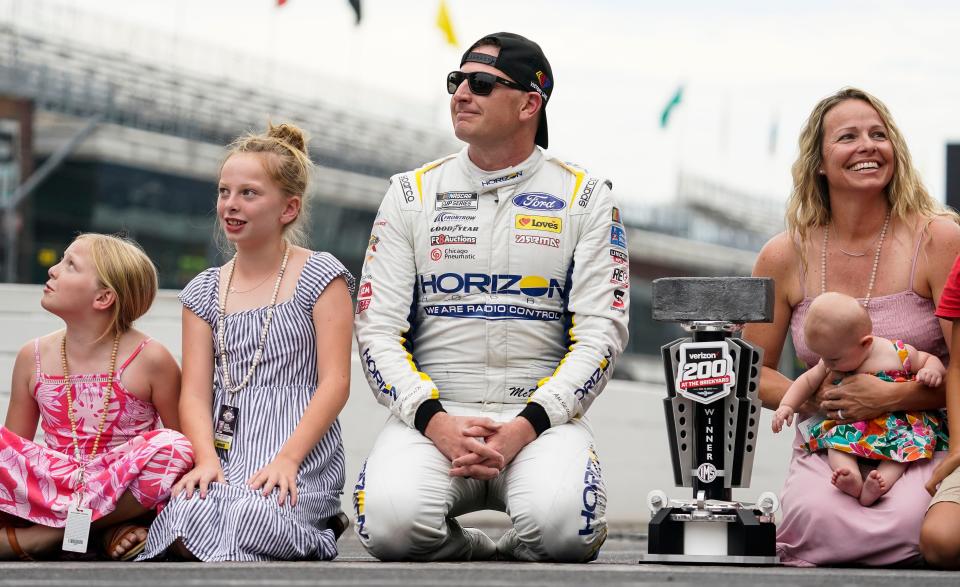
804	386
929	369
922	360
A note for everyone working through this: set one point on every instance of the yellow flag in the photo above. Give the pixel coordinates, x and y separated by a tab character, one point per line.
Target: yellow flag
445	24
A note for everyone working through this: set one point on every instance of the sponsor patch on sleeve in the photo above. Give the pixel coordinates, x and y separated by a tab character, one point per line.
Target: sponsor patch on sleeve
620	276
618	237
587	192
618	301
618	256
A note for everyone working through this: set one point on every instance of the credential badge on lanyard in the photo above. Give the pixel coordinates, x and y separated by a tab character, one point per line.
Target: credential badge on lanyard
76	533
226	426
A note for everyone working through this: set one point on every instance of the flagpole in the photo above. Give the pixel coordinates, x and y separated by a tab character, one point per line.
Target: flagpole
448	40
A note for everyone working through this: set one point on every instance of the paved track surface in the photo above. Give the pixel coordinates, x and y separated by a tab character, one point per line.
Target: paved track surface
617	565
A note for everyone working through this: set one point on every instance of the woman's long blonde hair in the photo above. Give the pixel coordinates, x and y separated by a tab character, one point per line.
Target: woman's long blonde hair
809	204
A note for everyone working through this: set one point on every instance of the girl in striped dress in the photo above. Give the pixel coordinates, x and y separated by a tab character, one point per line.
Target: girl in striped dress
266	353
99	389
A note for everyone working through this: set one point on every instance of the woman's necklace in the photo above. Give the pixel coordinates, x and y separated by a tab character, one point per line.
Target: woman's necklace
221	327
876	260
839	248
71	414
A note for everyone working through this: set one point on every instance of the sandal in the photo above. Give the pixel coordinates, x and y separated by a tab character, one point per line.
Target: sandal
11	531
112	537
339	524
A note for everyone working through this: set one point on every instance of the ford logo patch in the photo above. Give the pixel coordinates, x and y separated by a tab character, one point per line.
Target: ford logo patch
538	201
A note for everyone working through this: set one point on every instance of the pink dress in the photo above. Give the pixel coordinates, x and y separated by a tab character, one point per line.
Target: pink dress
37	481
820	525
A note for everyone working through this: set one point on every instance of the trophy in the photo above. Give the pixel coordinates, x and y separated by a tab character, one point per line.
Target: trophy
712	412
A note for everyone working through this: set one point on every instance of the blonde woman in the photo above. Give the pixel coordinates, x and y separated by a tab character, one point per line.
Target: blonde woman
100	389
859	222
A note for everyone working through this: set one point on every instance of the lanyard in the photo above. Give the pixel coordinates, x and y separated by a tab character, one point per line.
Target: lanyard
71	414
221	328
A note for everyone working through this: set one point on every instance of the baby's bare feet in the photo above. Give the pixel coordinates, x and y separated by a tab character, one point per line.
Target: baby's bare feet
847	482
873	488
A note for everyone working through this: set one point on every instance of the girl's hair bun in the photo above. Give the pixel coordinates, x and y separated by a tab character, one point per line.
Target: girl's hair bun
289	134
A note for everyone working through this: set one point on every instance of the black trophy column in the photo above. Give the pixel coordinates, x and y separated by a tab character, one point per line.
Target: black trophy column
709	449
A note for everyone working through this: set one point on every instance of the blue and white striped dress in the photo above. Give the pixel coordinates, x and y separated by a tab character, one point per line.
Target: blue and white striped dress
233	522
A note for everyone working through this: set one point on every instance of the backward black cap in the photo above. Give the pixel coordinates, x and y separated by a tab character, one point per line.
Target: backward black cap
522	60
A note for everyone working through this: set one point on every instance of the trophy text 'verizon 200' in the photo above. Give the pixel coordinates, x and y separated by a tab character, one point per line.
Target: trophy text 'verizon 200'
712	413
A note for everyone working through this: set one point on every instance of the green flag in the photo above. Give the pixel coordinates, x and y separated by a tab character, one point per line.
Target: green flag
674	101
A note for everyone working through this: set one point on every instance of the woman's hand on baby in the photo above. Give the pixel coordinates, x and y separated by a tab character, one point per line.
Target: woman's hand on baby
858	397
280	473
929	377
783	415
200	477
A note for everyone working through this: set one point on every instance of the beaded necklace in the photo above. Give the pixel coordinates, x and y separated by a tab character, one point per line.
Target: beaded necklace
876	260
221	327
71	414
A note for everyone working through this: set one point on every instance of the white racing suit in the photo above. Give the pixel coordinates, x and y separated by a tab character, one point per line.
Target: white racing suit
490	293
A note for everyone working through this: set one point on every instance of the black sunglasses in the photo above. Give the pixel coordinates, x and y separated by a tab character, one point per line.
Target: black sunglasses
481	83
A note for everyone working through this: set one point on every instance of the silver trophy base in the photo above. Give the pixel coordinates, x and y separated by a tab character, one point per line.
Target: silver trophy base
709	559
701	531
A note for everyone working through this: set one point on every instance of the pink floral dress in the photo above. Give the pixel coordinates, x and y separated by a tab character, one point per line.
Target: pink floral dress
38	482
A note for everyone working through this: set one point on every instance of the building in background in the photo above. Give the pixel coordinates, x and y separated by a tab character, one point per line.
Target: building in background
132	146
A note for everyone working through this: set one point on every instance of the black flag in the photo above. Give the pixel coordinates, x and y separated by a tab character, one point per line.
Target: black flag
356	8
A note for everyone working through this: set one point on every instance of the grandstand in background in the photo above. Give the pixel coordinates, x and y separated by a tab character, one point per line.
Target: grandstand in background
137	145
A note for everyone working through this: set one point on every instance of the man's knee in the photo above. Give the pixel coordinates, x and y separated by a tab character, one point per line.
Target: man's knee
393	525
386	538
571	530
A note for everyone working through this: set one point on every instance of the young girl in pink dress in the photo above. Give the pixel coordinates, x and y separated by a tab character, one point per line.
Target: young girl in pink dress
99	389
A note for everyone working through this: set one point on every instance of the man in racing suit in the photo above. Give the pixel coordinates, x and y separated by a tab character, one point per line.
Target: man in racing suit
492	306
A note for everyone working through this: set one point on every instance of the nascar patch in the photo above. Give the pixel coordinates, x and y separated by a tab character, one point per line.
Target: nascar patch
457	200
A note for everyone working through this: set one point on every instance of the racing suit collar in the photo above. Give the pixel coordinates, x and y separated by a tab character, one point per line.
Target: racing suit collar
486	181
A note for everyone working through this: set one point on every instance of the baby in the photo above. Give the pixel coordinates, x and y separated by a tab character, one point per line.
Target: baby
838	329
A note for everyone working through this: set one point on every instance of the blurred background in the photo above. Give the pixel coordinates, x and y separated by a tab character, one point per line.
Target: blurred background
114	113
